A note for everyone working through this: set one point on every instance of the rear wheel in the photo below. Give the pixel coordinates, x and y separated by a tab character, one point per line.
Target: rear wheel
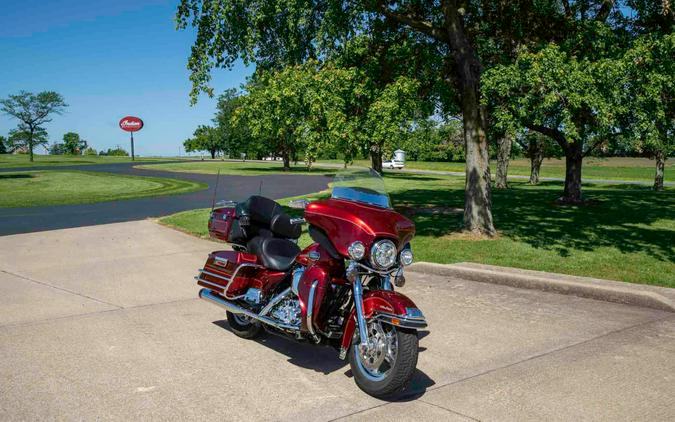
387	365
243	326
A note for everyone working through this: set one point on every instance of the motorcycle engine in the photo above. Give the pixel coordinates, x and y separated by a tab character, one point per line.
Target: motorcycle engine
288	311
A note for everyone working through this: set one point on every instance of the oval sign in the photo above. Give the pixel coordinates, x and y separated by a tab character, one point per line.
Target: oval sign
131	124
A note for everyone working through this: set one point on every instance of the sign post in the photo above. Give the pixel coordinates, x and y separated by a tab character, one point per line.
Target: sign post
131	124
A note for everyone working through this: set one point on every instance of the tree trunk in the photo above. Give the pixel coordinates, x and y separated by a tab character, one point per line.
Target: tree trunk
535	167
573	161
503	155
376	158
30	145
660	158
536	153
477	191
213	153
287	160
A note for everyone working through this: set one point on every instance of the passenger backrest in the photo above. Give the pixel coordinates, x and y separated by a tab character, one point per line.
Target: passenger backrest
260	216
262	210
282	227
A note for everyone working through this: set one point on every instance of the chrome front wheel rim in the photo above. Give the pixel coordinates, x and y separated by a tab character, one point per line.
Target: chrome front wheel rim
377	359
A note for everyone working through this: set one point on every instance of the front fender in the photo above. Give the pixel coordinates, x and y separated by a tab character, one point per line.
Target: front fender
390	307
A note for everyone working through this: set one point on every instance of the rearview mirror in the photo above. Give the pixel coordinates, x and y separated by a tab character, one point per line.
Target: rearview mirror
298	203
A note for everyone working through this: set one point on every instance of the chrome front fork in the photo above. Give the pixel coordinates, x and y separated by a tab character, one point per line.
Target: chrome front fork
360	318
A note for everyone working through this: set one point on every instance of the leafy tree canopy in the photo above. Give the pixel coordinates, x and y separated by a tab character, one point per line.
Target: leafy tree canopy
24	141
32	111
205	138
650	94
73	144
115	152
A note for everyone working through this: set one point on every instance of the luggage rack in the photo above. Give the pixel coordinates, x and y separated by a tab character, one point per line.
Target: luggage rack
227	280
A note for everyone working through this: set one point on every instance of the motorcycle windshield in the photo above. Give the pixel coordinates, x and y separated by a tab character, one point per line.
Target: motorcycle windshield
360	185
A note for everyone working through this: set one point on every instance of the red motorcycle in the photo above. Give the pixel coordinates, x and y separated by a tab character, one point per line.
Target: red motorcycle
338	291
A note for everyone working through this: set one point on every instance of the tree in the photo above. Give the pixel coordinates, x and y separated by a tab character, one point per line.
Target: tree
650	99
73	144
504	145
388	118
3	146
331	124
275	110
235	137
114	152
574	102
204	138
469	36
32	111
257	32
24	141
434	140
536	147
90	151
57	149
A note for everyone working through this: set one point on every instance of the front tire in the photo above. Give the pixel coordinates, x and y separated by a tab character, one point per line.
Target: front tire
387	367
243	326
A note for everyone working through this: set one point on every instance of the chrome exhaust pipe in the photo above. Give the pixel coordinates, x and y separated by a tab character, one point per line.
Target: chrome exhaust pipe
208	295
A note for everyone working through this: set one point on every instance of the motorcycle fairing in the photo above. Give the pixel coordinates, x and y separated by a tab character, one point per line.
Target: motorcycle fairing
388	306
344	222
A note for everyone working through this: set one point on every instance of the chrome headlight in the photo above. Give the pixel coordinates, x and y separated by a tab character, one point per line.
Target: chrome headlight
356	251
406	256
383	254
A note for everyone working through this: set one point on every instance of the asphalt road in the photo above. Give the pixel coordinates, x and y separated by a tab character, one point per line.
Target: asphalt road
236	188
103	323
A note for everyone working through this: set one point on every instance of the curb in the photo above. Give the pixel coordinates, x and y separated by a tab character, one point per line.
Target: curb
661	298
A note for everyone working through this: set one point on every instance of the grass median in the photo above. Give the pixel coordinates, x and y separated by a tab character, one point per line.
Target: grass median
54	187
237	168
22	160
626	232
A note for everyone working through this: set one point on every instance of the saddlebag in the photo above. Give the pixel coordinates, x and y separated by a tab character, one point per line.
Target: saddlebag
229	224
228	273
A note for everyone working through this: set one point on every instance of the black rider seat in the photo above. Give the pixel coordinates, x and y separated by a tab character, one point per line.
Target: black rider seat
274	253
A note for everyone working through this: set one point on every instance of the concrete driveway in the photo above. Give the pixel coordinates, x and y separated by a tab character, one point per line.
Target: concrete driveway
103	323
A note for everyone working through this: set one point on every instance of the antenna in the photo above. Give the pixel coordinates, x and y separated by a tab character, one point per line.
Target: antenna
215	189
260	189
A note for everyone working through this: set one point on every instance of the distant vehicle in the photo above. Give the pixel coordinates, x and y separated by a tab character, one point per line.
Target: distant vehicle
393	164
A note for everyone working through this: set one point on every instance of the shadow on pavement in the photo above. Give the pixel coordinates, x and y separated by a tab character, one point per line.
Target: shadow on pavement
324	359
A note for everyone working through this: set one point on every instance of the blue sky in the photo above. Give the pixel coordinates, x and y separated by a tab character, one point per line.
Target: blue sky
108	59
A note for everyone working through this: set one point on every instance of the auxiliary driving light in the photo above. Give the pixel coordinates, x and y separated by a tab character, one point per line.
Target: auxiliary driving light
356	251
406	257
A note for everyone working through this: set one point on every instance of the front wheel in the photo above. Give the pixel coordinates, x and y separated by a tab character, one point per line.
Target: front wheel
387	365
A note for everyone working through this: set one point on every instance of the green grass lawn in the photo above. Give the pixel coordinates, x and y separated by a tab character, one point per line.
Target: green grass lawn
22	160
614	168
639	169
248	168
54	187
627	233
